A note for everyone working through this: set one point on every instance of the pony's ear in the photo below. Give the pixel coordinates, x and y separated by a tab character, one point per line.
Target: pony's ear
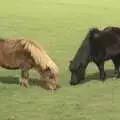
47	69
94	33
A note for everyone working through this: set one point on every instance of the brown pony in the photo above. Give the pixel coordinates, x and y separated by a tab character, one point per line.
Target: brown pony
24	55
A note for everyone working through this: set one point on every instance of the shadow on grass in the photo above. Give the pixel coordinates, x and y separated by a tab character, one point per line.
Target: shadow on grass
95	76
15	80
36	82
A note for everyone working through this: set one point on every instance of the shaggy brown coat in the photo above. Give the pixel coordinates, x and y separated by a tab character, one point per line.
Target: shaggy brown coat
25	54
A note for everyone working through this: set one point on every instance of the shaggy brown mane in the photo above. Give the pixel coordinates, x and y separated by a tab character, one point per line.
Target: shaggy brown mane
40	56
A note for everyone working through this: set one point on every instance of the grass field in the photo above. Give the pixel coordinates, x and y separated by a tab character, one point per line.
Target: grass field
60	26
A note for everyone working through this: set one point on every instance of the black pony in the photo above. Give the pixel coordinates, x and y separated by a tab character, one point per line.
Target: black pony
97	47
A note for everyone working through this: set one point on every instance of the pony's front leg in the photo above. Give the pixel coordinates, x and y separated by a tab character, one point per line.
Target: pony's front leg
100	66
24	78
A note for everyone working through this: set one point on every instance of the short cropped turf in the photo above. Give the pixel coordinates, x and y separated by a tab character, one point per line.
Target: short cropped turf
59	26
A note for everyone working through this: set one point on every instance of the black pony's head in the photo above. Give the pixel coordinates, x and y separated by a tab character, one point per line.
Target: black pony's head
77	74
81	59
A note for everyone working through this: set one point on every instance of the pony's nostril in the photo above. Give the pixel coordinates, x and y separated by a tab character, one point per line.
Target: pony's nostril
70	83
73	83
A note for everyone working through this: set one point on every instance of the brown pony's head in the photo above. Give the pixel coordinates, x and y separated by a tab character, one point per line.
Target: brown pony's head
49	79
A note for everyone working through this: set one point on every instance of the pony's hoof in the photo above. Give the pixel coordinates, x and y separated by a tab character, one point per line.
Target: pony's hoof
23	84
102	78
26	85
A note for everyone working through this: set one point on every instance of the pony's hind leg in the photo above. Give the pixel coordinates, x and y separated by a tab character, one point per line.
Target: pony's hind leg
24	78
116	62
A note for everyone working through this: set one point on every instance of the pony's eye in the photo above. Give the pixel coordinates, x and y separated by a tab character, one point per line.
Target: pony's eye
52	76
81	66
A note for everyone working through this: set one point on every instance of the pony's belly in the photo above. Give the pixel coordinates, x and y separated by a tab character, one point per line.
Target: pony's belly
9	67
16	63
11	62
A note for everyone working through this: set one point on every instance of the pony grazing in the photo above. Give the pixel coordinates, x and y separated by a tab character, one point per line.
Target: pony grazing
24	55
98	46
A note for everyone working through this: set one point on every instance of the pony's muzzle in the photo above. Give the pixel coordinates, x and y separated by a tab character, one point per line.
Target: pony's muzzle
53	87
74	82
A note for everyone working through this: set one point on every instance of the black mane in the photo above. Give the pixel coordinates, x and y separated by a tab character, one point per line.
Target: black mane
83	53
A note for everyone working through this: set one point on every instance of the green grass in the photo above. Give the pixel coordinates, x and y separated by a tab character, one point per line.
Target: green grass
60	26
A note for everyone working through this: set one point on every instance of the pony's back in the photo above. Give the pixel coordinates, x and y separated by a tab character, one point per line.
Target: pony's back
112	29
